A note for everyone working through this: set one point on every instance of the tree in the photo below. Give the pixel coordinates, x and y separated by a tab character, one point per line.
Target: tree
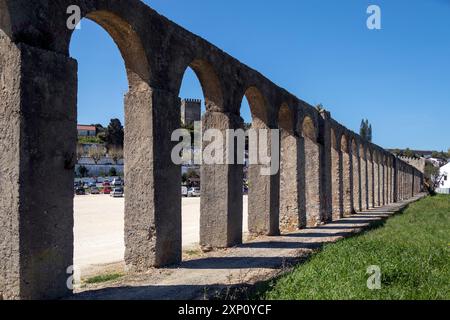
433	176
80	152
408	153
115	153
192	174
365	130
83	171
112	172
96	153
114	135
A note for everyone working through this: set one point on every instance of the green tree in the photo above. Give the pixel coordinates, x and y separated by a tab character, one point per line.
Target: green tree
408	153
114	135
112	172
365	130
433	176
83	171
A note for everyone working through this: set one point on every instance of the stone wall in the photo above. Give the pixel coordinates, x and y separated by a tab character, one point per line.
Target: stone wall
419	164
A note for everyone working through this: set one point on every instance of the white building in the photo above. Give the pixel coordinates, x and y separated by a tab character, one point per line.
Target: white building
445	184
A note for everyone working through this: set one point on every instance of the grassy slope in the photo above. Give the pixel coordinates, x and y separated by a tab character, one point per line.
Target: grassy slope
412	250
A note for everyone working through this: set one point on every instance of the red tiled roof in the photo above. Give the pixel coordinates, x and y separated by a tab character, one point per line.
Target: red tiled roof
87	128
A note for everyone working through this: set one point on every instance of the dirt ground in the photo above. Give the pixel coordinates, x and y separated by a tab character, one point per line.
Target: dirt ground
99	225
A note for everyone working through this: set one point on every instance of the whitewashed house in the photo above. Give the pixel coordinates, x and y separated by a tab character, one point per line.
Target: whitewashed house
445	183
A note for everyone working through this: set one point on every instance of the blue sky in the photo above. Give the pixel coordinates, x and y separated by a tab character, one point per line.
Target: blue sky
321	51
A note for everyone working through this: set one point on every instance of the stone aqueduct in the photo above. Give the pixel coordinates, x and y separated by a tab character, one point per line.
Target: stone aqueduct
327	171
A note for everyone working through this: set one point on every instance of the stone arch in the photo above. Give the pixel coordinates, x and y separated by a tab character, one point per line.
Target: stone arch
258	107
210	83
309	129
336	175
312	153
356	163
140	103
286	119
264	190
129	44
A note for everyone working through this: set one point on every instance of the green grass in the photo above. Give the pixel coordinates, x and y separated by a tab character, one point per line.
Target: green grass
412	249
89	140
104	278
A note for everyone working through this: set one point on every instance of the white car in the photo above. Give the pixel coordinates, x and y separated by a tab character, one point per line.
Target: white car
117	193
184	191
194	192
117	182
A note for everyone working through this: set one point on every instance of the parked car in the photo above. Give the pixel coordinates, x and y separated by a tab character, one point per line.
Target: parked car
117	193
117	182
194	192
79	191
94	190
107	190
184	191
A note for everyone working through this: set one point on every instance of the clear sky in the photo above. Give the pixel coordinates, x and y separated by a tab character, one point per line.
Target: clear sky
319	50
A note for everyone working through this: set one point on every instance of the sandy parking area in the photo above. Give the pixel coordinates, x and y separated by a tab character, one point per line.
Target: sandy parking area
99	225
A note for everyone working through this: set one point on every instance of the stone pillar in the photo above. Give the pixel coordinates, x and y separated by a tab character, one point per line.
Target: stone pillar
392	177
38	154
347	185
363	171
221	190
312	183
153	193
324	141
356	182
403	181
395	179
370	180
291	203
263	197
388	186
337	184
377	182
382	183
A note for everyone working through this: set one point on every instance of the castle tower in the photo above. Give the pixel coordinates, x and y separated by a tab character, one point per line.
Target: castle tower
191	111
